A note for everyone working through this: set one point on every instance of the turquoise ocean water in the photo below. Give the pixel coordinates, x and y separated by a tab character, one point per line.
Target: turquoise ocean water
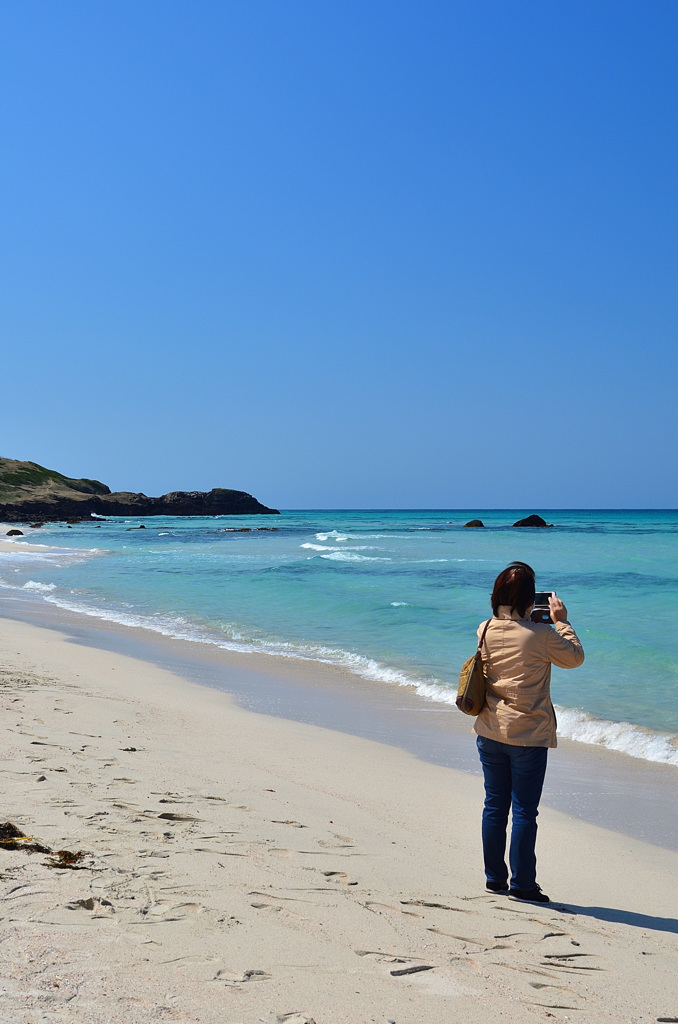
393	596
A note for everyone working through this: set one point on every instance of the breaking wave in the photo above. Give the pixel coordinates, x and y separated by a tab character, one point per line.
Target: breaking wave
624	737
577	725
45	588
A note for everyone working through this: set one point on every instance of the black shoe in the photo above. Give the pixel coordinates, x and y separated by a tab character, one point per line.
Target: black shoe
529	895
496	886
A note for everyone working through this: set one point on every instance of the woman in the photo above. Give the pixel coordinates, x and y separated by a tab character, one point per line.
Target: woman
518	724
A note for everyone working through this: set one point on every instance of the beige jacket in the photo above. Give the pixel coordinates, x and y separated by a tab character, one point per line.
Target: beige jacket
517	659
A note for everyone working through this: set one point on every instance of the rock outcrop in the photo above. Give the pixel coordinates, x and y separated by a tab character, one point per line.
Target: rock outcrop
533	520
29	492
474	523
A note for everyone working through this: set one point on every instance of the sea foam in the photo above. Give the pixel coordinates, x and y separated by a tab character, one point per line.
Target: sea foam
622	736
347	555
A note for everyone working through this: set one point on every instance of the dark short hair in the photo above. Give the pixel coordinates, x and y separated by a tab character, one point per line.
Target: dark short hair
514	587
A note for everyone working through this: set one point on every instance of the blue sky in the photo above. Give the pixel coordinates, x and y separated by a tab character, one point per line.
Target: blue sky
343	254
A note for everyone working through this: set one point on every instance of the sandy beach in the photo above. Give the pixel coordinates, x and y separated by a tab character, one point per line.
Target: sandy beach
241	868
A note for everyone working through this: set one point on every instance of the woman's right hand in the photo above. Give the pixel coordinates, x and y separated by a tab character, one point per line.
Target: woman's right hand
558	609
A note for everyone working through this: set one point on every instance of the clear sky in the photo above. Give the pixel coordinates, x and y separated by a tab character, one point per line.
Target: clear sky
343	253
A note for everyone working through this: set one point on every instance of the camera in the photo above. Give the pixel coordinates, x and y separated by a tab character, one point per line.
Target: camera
541	611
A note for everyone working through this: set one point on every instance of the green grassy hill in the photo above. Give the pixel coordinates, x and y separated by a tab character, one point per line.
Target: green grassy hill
23	481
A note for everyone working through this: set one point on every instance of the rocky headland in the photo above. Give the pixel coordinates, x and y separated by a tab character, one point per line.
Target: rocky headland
29	492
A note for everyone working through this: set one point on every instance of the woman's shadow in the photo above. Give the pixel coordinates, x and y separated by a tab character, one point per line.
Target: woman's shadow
647	921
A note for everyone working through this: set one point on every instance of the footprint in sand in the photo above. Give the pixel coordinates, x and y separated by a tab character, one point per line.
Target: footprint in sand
233	979
377	908
170	816
339	843
385	958
339	876
93	903
393	958
432	905
162	913
294	1018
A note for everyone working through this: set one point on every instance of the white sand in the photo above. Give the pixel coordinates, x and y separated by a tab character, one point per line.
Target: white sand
303	868
22	543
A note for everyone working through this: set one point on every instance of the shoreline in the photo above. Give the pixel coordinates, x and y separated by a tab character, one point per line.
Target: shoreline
244	867
627	795
614	723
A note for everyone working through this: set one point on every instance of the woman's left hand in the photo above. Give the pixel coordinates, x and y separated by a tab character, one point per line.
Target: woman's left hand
558	609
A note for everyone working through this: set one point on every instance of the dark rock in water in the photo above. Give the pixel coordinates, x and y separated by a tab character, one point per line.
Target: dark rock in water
142	527
475	522
36	526
533	520
14	533
31	492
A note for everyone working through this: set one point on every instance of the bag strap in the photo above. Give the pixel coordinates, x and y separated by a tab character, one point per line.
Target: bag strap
482	639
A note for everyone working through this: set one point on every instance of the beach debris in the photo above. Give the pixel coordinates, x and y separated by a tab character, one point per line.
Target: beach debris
170	816
294	1018
66	859
12	838
129	749
412	970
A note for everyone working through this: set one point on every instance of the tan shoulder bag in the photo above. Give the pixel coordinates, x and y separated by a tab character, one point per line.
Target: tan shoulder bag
471	692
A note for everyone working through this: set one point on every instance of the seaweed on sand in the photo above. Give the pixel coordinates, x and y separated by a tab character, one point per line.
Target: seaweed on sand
12	838
67	859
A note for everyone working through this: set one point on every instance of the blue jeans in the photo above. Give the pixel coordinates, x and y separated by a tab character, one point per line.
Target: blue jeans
514	777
